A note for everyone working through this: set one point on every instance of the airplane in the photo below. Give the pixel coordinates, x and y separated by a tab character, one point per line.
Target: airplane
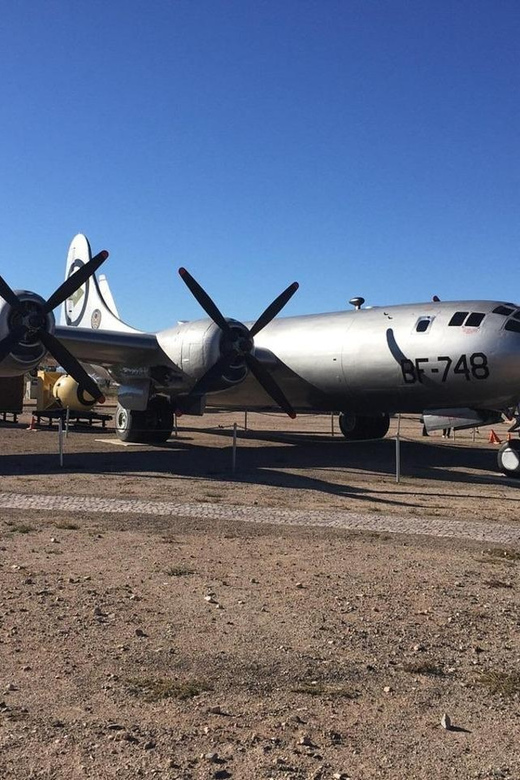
456	363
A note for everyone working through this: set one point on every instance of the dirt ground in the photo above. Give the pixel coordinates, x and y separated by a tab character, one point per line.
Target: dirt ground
145	646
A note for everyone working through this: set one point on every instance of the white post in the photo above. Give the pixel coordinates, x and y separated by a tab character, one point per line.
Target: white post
398	450
67	418
234	456
60	440
332	423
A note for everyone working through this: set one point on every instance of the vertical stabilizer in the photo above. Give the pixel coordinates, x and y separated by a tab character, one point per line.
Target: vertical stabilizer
92	305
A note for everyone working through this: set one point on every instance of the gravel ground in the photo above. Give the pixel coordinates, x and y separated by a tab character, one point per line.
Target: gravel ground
212	644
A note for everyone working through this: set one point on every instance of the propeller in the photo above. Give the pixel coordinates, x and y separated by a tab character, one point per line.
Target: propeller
238	343
29	320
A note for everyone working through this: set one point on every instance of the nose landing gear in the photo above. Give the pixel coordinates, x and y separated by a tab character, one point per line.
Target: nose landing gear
509	458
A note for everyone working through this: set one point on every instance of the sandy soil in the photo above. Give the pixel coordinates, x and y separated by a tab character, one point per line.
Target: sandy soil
165	647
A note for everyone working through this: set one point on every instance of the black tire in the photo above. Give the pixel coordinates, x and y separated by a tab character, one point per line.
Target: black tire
154	425
130	425
362	427
159	419
508	458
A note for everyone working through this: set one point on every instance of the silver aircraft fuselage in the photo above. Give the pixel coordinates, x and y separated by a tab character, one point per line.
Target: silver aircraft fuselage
405	358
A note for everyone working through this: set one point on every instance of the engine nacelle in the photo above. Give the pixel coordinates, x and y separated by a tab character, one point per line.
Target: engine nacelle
196	346
28	351
68	392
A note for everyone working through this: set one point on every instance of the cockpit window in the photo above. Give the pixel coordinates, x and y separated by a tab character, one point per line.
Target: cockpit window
474	320
423	323
458	318
503	310
513	325
516	315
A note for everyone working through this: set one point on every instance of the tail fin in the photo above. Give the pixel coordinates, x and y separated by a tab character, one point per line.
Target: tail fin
92	305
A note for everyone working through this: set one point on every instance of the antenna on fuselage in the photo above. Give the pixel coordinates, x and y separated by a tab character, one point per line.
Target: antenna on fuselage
357	302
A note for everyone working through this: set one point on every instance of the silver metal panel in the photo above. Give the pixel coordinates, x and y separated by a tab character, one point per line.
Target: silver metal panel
354	360
111	348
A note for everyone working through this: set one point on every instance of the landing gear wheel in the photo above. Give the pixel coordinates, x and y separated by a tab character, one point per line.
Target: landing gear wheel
509	459
130	425
361	427
153	425
159	419
381	425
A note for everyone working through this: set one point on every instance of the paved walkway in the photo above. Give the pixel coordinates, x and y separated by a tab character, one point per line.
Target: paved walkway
460	529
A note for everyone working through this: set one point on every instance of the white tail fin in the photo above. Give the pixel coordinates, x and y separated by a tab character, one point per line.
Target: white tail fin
92	306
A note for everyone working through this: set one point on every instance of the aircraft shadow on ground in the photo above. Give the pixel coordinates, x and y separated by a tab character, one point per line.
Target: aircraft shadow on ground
182	458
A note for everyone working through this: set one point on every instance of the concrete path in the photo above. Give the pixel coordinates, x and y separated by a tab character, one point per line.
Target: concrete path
499	533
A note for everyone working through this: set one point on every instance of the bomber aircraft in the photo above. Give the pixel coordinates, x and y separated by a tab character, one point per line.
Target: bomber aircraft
456	363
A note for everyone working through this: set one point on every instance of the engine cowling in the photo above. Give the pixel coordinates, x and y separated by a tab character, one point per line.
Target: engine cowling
27	352
196	347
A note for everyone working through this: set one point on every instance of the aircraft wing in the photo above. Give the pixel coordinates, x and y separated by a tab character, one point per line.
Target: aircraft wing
112	348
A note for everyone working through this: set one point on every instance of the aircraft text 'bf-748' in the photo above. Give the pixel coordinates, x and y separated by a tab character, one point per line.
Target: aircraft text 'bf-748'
456	363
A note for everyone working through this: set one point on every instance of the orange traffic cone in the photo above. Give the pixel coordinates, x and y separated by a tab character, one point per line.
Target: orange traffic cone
493	438
32	426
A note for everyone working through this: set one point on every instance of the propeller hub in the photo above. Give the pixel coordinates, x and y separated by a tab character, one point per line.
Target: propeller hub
27	320
30	318
236	342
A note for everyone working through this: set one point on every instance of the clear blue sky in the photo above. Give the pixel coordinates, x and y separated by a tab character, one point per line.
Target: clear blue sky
360	147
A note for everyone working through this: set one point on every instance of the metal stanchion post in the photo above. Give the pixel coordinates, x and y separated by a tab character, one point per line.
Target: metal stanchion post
245	420
332	423
67	418
176	432
398	450
60	440
234	456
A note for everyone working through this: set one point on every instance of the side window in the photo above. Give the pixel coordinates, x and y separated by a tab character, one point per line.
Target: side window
512	325
474	320
458	318
423	323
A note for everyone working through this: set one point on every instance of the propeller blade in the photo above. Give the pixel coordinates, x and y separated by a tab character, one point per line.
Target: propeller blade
8	295
9	342
215	372
75	281
71	365
204	300
268	383
273	309
240	345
